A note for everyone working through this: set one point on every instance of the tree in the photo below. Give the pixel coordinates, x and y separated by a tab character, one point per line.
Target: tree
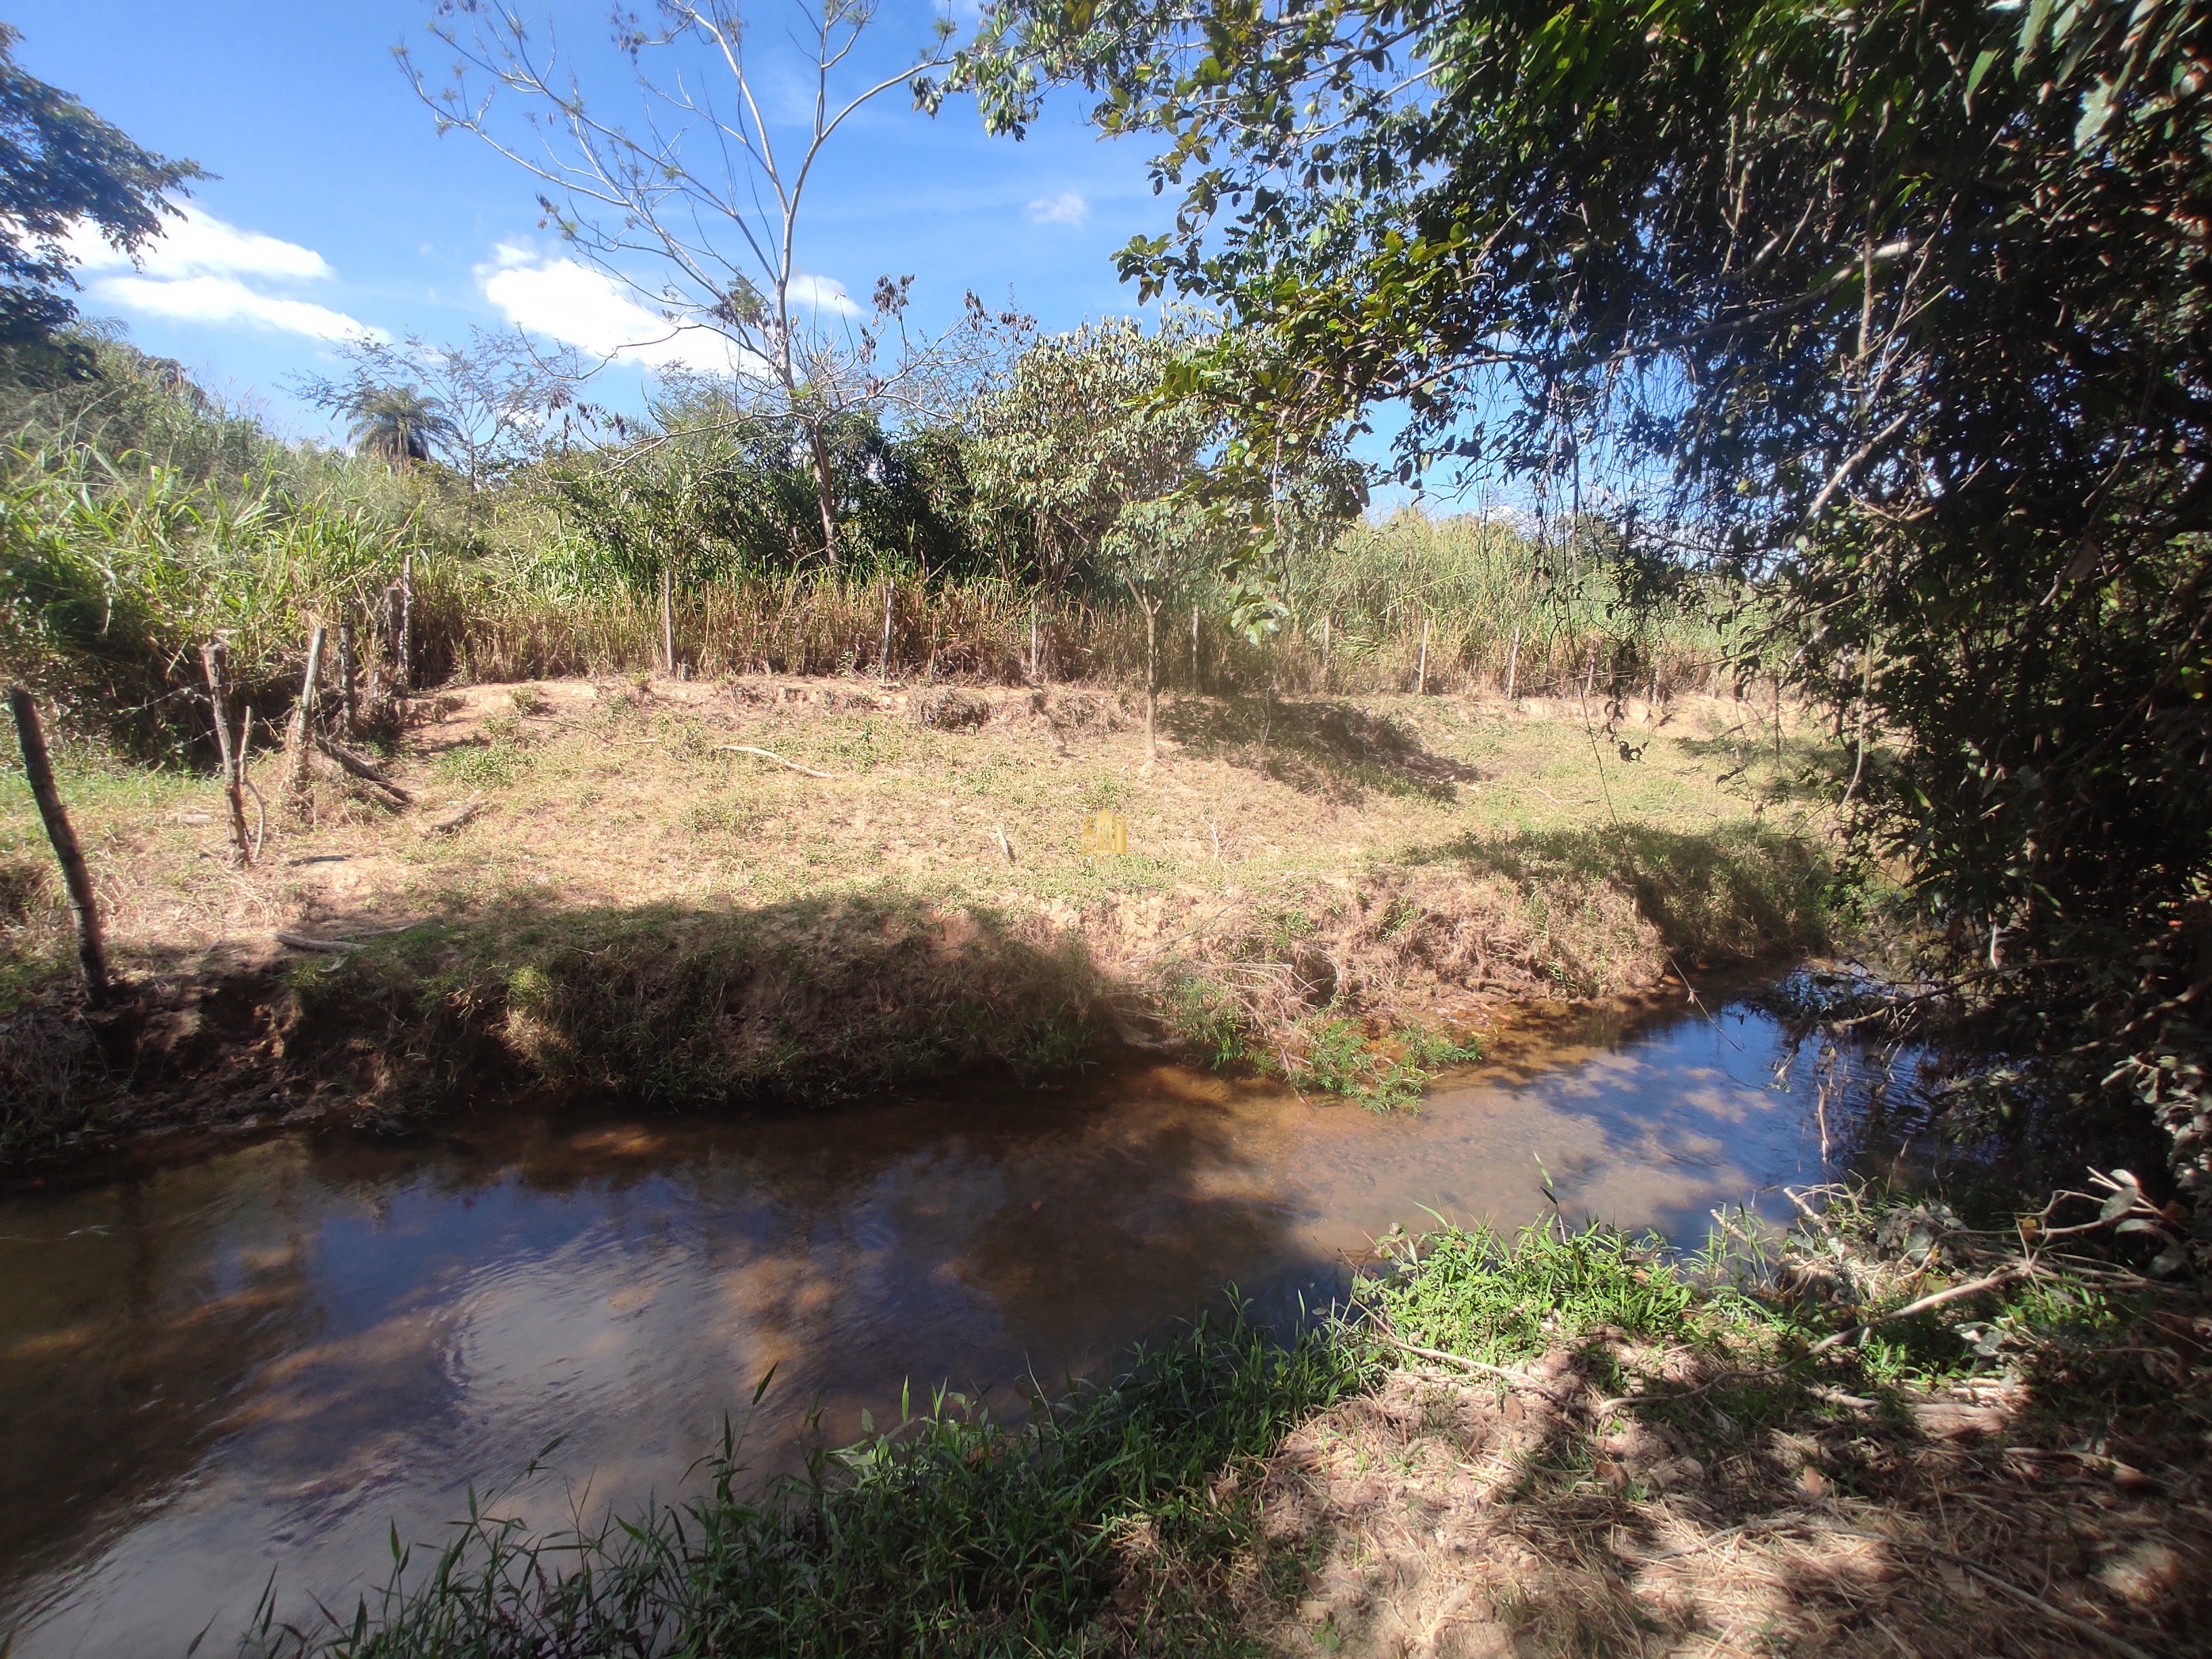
398	423
1076	461
1898	311
492	403
719	226
62	167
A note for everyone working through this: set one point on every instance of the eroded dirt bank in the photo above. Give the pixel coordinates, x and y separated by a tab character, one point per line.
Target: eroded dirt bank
795	891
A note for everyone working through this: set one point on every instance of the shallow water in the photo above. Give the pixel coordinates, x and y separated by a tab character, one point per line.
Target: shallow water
263	1360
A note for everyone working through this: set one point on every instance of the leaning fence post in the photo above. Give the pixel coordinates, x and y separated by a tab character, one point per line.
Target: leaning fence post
1513	668
38	769
211	662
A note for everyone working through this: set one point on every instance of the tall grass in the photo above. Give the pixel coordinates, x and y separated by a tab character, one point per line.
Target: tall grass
1483	599
117	564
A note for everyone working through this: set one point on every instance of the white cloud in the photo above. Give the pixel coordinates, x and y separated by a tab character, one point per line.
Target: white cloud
200	244
227	300
1067	207
822	294
586	308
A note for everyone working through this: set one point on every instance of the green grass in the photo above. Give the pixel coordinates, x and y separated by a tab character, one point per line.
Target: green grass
1125	1519
952	1533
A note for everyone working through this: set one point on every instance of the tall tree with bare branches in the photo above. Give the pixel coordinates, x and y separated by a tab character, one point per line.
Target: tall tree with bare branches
695	206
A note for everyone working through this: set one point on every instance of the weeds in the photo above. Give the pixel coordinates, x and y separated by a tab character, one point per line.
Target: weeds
1100	1522
1229	1477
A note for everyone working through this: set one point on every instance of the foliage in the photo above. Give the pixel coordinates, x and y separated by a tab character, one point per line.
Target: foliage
1898	310
720	495
1070	454
720	224
488	407
62	169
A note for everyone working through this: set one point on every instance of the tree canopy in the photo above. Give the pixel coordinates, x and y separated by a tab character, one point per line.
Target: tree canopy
1898	310
61	166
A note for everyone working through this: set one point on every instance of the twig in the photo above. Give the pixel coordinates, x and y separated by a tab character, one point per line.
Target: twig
360	768
768	755
2080	1626
39	772
339	946
1459	1359
454	819
2005	1275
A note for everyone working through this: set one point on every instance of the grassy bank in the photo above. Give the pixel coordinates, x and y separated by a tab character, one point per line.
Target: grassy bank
1567	1443
794	890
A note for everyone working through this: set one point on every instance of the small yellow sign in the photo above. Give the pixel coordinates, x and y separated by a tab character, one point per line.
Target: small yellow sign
1108	832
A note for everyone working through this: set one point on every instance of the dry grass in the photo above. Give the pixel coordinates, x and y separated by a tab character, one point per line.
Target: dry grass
1304	871
1445	1516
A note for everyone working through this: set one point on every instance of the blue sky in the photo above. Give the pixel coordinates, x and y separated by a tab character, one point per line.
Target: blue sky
339	206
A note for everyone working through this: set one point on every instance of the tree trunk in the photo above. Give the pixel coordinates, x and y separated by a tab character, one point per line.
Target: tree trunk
39	771
345	682
668	618
406	640
299	741
1151	679
211	662
1197	683
825	494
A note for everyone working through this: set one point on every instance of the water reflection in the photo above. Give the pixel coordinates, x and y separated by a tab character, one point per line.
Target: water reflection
263	1360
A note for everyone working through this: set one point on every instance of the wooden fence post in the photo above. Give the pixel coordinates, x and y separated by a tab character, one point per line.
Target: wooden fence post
301	740
345	682
38	769
211	662
1513	668
406	631
890	593
668	618
1421	678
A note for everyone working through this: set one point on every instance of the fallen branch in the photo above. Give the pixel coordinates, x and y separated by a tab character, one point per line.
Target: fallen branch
2011	1273
361	769
340	946
454	819
2080	1626
1516	1378
768	755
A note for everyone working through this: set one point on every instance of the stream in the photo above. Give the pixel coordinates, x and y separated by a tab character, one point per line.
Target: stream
264	1360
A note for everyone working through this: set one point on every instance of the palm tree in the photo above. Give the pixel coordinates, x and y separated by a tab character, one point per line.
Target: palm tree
396	422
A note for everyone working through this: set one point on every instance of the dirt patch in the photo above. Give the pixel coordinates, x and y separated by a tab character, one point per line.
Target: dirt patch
1455	1516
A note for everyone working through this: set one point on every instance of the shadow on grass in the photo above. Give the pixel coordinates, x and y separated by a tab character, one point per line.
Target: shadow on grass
1873	1502
1735	892
1337	750
806	1001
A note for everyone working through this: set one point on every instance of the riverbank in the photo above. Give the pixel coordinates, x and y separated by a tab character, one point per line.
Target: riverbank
1915	1436
793	891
